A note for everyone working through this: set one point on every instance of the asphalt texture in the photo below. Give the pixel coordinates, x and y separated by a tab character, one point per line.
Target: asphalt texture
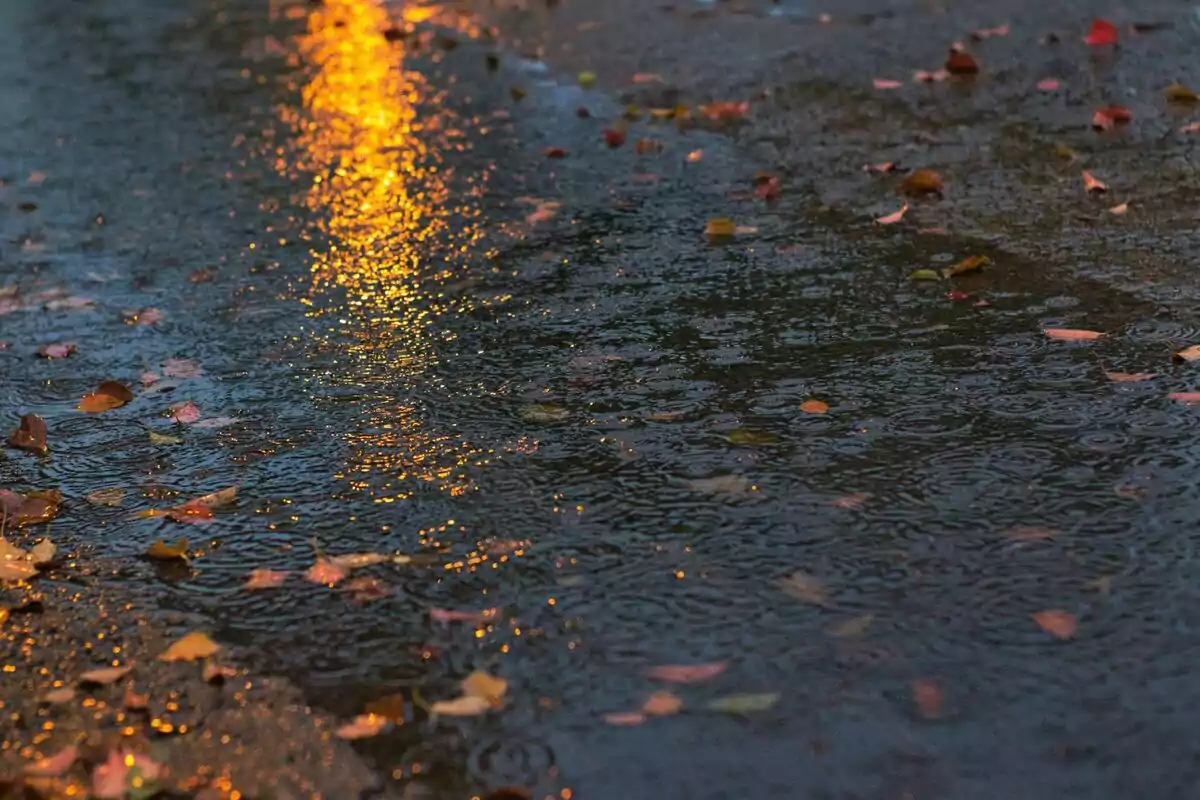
435	280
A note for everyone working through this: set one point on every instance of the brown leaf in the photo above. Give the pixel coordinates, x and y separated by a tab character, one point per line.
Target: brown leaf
720	228
30	435
1057	623
109	395
106	497
29	508
162	551
960	62
103	676
1178	93
191	647
922	182
803	586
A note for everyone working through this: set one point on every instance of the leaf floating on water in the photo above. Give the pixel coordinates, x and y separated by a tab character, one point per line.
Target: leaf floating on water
924	275
30	435
879	168
614	137
1072	334
720	228
464	706
106	497
967	265
1178	93
1130	377
980	34
544	413
57	350
29	508
109	395
185	413
813	406
181	368
159	438
894	217
192	647
805	587
448	615
922	182
481	692
624	718
14	563
1102	32
587	79
927	696
661	704
744	703
53	766
43	552
142	316
162	551
1057	623
960	62
1047	85
554	152
126	775
1190	398
324	571
362	727
748	436
1191	353
733	486
351	561
687	673
104	675
1106	118
887	83
1119	210
264	579
849	628
1092	185
59	696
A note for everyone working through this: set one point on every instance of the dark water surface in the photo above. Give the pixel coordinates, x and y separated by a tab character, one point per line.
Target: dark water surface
591	421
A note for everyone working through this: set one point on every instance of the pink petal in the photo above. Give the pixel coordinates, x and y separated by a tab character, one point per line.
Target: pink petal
186	412
1191	398
886	83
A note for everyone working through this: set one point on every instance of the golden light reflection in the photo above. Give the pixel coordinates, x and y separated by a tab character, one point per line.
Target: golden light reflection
392	233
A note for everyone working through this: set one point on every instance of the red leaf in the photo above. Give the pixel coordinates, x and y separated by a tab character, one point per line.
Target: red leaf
957	295
928	698
767	186
1102	32
554	152
1057	623
1091	184
1047	84
613	137
960	62
1105	118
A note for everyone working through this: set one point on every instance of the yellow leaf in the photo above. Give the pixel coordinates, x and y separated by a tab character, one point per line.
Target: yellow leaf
191	647
465	706
485	686
159	438
168	552
362	727
720	227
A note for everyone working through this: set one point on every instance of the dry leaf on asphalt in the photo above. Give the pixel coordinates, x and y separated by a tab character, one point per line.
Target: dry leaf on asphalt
192	647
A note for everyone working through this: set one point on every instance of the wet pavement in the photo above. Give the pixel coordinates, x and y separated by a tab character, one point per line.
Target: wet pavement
910	545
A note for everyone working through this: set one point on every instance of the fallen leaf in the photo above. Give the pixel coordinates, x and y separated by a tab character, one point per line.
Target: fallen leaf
744	703
544	413
967	265
957	295
57	350
937	76
887	83
451	615
351	561
586	79
1030	533
814	407
264	579
1191	353
217	499
1047	85
624	718
485	685
103	676
852	501
43	552
1190	398
1072	334
1193	127
181	368
1120	209
1130	377
849	628
928	698
687	673
1178	93
363	726
109	395
1091	184
960	62
614	137
367	589
162	551
193	646
1057	623
142	316
160	438
215	422
894	217
803	586
725	111
661	704
13	567
879	168
53	766
645	146
30	508
766	186
1105	118
987	33
719	228
59	696
324	571
750	437
545	211
554	152
922	182
1102	32
125	774
217	673
695	156
106	497
133	701
465	706
30	435
924	275
185	413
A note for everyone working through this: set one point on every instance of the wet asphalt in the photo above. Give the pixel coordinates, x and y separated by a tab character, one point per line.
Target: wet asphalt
434	313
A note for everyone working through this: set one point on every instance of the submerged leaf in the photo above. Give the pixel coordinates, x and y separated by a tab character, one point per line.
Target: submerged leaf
927	696
162	551
264	579
544	413
106	497
803	586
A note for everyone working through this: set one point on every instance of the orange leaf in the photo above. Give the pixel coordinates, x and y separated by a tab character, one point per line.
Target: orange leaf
928	698
624	718
1119	210
661	704
191	647
1102	32
55	765
814	407
452	615
879	168
894	217
1072	335
324	571
1130	377
1105	118
108	395
264	579
726	110
162	551
1188	354
921	182
719	228
1056	622
690	673
105	675
1091	184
